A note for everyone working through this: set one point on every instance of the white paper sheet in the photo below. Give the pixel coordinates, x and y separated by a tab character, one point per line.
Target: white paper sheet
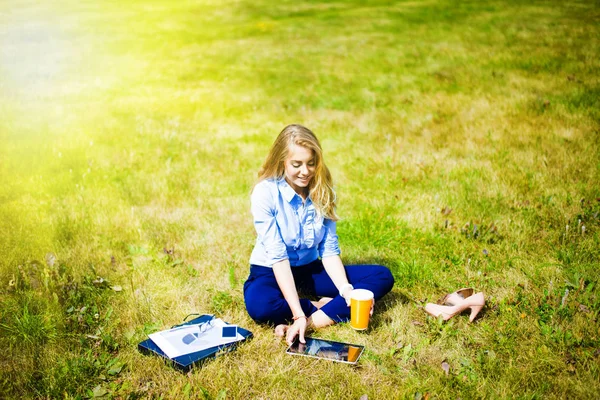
189	338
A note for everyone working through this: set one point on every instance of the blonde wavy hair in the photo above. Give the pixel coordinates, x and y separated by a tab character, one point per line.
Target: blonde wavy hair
320	189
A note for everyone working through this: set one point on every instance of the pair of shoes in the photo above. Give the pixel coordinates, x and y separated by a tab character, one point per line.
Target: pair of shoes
457	303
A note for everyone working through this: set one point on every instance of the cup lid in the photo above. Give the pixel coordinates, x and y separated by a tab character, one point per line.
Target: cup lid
361	294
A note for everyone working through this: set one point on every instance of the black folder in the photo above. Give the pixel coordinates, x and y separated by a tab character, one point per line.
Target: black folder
187	361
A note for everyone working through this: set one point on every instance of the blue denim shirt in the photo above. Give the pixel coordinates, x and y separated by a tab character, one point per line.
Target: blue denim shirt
287	228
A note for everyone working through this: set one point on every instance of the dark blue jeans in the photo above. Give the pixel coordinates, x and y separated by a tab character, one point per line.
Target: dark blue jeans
265	301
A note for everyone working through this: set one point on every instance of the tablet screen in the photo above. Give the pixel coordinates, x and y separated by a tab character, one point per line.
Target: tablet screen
327	349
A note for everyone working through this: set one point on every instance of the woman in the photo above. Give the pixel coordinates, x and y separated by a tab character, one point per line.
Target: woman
293	205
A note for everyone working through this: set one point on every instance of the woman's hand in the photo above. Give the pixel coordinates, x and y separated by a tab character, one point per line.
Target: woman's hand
346	295
298	328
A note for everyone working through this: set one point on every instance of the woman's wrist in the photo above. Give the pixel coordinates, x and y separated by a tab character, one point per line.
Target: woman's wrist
344	288
296	318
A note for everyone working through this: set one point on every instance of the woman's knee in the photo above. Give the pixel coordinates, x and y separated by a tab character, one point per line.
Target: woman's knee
259	312
265	310
385	279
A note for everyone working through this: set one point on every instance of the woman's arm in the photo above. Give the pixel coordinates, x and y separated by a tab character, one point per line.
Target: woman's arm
285	280
335	269
264	209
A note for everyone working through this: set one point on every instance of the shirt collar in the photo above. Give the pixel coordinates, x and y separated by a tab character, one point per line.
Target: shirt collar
286	190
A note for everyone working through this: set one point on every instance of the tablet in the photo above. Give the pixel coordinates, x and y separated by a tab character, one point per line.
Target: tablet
327	349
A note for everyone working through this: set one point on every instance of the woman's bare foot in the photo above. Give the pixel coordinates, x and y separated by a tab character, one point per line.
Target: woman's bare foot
321	302
280	330
320	320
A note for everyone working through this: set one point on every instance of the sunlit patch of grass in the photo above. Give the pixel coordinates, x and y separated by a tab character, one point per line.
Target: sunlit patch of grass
24	325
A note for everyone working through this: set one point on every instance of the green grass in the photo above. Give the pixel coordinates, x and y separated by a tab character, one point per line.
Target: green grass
463	137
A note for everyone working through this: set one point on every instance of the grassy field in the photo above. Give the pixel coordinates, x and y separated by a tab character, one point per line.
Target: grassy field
464	140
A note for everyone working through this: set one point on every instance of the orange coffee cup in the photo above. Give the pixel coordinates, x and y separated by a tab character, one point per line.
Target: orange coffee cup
361	301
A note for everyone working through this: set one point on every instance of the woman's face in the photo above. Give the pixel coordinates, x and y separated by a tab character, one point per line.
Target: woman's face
300	168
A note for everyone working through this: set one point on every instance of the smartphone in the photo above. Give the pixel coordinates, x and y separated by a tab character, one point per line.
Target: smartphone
327	350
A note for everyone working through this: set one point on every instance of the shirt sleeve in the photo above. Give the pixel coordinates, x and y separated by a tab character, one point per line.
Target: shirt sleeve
329	246
264	211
